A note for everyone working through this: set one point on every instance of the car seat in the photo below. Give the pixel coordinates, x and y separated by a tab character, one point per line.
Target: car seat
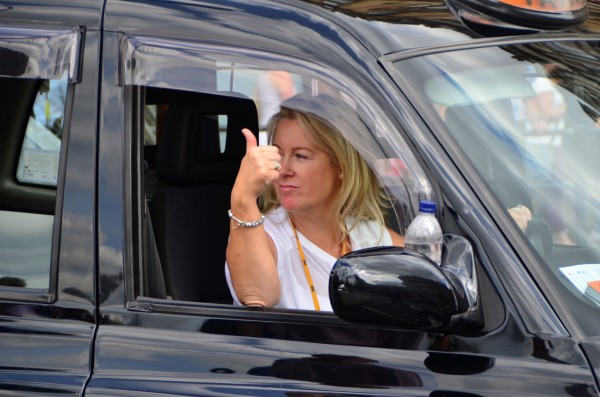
189	209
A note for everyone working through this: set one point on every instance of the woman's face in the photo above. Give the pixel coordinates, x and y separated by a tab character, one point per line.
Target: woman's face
308	180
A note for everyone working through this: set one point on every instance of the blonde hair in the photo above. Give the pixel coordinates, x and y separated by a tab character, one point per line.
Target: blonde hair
361	195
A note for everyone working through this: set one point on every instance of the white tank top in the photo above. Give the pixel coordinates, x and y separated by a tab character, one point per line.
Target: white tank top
295	292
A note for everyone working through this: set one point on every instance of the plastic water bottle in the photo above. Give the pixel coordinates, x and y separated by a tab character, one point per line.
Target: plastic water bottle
424	233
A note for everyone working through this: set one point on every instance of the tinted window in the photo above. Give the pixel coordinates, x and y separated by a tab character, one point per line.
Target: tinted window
25	248
36	68
531	128
38	161
31	149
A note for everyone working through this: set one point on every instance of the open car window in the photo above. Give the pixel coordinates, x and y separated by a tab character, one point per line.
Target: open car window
231	72
211	92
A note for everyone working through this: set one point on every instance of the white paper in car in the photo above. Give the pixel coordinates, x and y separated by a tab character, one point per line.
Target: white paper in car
38	166
586	278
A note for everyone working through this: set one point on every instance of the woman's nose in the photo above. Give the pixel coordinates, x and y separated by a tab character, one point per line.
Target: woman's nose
285	167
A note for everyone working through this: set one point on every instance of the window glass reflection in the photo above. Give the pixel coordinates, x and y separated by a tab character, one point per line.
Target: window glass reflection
527	118
25	248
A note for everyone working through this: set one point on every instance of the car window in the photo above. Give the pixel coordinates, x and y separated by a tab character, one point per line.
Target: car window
531	128
211	91
36	68
29	184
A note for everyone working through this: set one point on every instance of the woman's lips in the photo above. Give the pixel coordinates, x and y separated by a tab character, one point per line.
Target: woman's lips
287	188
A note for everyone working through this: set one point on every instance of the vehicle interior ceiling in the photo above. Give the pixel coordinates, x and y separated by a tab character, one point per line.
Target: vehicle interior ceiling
13	195
188	180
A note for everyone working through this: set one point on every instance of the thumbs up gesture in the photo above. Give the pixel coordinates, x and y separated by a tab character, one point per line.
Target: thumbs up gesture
259	167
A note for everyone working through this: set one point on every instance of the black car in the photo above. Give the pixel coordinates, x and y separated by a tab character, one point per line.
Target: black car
120	141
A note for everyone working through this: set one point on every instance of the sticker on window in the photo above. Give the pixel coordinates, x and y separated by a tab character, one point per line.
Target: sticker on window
38	166
586	278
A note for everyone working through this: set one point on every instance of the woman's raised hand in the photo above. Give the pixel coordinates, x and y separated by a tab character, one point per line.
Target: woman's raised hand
259	167
251	254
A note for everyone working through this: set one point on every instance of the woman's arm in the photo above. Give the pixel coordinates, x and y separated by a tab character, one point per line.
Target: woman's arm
251	253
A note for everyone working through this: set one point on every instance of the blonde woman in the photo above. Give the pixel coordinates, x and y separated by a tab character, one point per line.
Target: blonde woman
317	200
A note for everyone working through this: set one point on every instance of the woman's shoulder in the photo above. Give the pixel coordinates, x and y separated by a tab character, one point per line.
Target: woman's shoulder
369	233
364	225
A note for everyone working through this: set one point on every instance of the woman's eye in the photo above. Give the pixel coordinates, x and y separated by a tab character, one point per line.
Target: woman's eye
301	156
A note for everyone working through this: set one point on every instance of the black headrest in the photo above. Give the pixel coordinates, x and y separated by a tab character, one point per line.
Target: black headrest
189	150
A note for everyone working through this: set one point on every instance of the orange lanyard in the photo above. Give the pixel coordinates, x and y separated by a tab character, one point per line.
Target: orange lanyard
311	285
313	292
47	111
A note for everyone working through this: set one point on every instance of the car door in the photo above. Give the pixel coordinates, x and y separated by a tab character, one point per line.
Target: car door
168	329
47	315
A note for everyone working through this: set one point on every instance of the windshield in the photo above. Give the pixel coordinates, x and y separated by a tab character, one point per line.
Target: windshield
528	119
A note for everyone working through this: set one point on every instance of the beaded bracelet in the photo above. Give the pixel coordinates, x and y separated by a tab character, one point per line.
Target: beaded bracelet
244	223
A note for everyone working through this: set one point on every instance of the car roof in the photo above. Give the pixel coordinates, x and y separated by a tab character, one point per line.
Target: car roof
382	27
56	14
391	26
387	27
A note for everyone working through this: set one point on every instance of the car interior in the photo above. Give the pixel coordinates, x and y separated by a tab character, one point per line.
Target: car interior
189	175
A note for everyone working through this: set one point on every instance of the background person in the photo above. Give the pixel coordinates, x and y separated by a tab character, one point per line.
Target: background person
274	86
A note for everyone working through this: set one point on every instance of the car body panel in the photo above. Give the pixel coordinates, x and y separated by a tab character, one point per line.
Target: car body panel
46	342
222	350
235	357
98	337
63	13
591	348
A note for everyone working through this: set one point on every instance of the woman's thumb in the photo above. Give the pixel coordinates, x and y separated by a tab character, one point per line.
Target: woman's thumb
250	139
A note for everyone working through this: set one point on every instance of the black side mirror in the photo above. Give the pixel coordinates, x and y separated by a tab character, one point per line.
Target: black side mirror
388	286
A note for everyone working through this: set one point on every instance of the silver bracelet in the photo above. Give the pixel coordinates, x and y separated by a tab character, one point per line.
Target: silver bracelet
244	223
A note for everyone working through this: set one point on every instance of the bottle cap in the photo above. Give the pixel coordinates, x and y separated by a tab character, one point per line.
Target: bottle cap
427	206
